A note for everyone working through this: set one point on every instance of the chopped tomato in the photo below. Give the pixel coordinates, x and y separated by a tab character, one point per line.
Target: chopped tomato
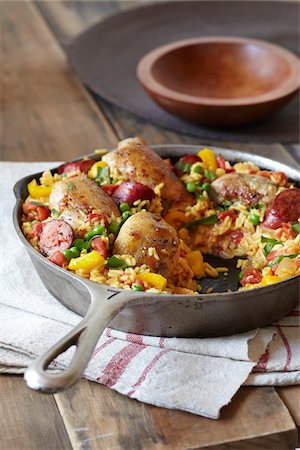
58	259
222	215
279	178
221	163
37	229
286	230
43	212
96	217
85	165
100	245
190	159
251	276
273	254
139	282
236	236
264	173
29	206
109	188
273	268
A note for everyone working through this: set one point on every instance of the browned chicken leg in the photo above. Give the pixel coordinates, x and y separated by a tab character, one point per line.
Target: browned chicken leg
151	241
78	196
135	161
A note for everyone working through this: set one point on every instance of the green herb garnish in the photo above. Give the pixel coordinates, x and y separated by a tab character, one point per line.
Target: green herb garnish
204	221
296	228
184	167
114	227
116	263
103	175
209	174
281	257
54	212
270	243
81	244
36	203
71	186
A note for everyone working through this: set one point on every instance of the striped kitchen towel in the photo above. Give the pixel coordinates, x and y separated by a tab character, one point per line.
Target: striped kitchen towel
196	375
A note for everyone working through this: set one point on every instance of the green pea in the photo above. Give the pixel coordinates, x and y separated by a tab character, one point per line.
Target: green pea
190	187
197	169
114	227
205	187
254	218
296	227
68	254
137	287
126	214
124	207
99	229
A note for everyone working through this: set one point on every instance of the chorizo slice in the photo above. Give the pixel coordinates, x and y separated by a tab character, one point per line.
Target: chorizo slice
56	235
284	208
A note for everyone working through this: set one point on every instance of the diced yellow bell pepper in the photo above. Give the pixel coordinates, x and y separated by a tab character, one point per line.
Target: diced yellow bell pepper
208	158
87	262
154	279
176	218
36	191
195	260
93	170
270	279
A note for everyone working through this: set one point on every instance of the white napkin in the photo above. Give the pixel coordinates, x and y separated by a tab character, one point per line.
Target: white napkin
196	375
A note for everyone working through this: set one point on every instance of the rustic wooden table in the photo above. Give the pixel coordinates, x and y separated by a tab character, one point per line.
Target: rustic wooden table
48	115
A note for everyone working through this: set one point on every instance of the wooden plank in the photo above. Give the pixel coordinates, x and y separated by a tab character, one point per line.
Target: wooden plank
68	19
256	418
45	109
29	420
291	397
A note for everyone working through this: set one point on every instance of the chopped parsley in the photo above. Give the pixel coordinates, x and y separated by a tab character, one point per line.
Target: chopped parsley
204	221
270	243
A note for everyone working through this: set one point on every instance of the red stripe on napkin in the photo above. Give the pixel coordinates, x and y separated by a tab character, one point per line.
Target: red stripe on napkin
136	338
118	364
97	350
294	314
287	346
146	371
263	362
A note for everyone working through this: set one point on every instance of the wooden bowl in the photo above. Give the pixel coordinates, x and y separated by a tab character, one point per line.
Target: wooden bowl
220	81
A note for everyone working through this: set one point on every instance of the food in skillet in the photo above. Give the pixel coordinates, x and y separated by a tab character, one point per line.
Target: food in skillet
136	221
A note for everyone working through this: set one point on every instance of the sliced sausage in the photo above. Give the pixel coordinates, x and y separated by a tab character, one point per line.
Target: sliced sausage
130	191
285	208
246	188
144	231
137	162
83	165
56	235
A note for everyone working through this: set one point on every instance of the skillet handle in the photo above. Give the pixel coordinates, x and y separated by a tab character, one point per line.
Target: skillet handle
84	336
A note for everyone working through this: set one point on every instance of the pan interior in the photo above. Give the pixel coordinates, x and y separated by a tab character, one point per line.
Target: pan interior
224	283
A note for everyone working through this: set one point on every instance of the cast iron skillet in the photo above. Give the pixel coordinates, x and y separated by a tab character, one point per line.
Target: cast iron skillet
204	315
